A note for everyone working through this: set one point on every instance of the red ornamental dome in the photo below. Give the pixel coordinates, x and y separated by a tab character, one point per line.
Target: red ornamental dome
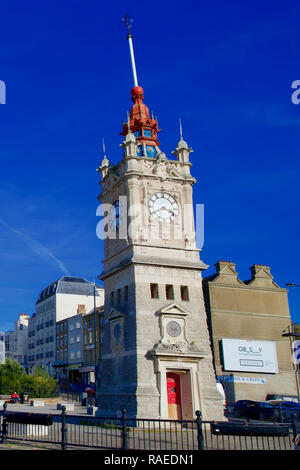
141	124
137	93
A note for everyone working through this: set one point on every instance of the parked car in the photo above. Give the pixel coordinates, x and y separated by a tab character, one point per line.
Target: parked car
271	397
253	410
289	405
285	410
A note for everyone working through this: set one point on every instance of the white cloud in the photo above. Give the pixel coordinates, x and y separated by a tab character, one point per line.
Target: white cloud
40	250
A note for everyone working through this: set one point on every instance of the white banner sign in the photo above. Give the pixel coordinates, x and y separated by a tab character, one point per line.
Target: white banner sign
249	356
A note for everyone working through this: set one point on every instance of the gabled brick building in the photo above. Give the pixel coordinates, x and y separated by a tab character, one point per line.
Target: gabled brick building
247	320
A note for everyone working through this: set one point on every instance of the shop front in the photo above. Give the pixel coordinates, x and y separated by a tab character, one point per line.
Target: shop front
74	376
87	374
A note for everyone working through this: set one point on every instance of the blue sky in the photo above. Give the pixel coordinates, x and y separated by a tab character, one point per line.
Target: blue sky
224	68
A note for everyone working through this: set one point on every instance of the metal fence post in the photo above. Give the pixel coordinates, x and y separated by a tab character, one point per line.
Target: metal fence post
124	430
199	430
4	425
63	429
280	414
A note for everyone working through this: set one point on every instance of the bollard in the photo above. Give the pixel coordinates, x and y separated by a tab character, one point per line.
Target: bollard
199	430
63	429
124	430
4	425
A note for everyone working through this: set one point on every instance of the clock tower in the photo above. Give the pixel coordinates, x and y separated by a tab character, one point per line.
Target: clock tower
156	353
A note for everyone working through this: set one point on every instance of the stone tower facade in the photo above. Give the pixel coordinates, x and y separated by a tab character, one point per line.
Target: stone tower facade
157	360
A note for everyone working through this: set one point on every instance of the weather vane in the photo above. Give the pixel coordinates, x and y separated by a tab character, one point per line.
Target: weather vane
128	20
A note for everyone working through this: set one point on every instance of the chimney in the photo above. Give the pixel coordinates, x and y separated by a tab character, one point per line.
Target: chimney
260	270
226	273
220	265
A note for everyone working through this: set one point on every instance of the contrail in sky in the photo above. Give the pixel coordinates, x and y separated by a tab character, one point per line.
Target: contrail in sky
36	247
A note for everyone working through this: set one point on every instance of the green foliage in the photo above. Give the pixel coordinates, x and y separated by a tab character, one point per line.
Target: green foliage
13	378
40	384
10	377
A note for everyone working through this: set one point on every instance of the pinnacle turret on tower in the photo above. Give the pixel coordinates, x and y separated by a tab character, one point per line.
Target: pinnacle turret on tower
103	168
182	150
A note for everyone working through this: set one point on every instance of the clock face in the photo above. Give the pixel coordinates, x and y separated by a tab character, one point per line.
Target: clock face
114	216
117	332
163	207
173	329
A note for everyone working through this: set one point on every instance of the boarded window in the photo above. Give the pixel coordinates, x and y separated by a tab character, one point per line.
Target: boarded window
184	292
169	292
154	291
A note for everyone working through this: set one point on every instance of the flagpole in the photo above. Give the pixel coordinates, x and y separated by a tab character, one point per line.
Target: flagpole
128	20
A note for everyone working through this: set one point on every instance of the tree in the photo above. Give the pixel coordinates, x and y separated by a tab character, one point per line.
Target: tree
40	384
14	378
11	373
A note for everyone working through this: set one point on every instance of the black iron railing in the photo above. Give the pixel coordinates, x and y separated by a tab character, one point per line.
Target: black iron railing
71	396
125	433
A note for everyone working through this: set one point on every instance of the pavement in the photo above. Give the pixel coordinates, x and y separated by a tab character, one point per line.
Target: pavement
48	408
25	446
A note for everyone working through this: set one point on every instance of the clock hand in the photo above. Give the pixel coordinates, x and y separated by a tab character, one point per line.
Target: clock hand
161	209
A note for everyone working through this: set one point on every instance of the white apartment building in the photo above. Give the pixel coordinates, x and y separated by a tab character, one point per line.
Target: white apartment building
57	302
16	341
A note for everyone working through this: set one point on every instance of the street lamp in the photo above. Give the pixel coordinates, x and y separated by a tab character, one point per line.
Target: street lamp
292	333
95	335
95	339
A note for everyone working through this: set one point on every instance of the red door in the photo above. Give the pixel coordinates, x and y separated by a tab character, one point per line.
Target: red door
174	399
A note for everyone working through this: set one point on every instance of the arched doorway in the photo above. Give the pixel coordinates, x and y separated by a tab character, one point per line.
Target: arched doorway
174	395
